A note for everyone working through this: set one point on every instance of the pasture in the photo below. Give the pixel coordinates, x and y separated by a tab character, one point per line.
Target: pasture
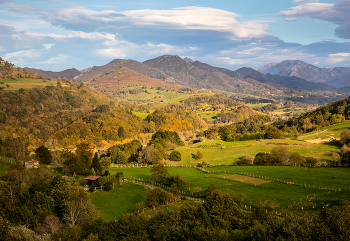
117	202
308	182
25	83
333	131
220	152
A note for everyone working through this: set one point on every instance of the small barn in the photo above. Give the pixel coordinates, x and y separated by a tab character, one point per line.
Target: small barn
92	180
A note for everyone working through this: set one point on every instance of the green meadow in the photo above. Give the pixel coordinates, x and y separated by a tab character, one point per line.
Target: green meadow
220	152
25	83
322	184
117	202
290	189
333	131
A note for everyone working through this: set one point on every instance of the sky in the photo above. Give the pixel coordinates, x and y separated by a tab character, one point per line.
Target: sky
58	34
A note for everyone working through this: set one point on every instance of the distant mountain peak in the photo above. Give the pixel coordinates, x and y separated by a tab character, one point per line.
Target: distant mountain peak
188	60
309	72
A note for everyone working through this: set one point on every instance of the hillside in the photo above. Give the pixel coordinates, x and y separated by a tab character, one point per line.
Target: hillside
306	71
123	78
333	113
68	73
116	64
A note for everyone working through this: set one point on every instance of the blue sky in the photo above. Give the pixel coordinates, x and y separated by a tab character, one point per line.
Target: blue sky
58	34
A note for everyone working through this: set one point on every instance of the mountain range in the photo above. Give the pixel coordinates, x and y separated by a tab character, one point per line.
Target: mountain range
336	77
291	74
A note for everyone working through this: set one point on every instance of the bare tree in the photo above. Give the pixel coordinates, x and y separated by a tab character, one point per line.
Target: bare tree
79	207
50	226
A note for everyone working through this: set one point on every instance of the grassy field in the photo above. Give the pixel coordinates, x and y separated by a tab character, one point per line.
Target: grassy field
260	189
142	115
117	202
25	83
4	167
220	152
157	98
327	132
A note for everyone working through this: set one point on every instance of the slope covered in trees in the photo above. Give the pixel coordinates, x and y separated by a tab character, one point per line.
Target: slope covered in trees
69	113
8	70
333	113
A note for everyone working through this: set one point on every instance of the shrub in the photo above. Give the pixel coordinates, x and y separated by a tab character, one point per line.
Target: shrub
92	188
108	186
175	156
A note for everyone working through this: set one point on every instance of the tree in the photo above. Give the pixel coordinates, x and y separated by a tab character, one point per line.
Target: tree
227	130
345	158
157	196
311	161
345	137
79	208
105	163
175	156
296	159
159	172
197	156
273	133
150	155
92	172
96	165
281	151
17	148
44	155
50	225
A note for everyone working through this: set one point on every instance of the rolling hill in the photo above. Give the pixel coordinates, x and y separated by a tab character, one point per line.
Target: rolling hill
123	78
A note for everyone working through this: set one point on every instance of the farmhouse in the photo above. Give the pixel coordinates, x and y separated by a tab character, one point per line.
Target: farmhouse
92	180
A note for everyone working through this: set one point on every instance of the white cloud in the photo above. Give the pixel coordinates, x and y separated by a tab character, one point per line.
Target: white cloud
291	19
48	46
122	49
338	58
19	54
68	35
197	18
185	18
309	9
231	61
337	13
339	55
303	1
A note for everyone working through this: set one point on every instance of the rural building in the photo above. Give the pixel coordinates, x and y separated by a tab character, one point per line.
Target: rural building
92	180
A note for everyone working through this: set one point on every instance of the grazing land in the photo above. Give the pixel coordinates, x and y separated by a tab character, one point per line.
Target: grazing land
333	131
223	153
25	83
115	203
287	187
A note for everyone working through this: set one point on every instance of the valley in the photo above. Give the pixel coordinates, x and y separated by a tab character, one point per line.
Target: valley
169	136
